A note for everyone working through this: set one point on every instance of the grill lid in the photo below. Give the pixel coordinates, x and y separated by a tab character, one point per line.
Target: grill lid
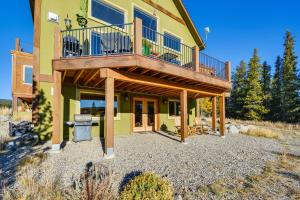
82	118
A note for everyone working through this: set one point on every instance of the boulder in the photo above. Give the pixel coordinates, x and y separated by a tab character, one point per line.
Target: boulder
232	129
244	128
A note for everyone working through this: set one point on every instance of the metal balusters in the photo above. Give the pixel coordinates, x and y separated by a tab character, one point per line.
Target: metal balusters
97	41
212	66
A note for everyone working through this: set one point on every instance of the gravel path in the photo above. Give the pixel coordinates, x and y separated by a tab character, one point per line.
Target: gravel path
205	159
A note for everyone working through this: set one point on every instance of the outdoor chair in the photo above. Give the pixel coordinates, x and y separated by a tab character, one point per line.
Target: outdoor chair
201	127
191	130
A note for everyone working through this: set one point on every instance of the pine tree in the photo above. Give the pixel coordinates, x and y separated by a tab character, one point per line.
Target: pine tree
276	92
290	103
253	106
266	86
238	92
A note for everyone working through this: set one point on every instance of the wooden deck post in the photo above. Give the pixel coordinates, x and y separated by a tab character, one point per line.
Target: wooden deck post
109	117
214	113
183	115
196	58
198	109
57	77
18	46
228	71
56	132
15	104
138	36
222	114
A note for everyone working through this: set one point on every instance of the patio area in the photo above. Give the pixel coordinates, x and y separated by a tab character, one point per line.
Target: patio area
203	160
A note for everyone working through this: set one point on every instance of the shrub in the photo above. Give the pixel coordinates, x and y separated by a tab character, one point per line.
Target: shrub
147	186
261	132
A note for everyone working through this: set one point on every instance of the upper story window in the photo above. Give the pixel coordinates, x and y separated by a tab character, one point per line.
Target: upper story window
149	23
172	42
27	74
107	13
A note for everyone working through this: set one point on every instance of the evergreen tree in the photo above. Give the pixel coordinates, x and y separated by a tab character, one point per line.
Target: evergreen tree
238	92
253	106
276	92
290	103
266	86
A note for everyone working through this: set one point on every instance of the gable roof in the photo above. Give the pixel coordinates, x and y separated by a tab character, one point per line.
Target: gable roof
186	17
183	12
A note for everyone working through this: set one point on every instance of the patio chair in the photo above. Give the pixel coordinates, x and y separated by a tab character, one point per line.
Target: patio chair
191	130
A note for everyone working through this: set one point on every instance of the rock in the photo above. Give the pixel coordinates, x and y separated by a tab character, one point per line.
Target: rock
178	197
232	129
245	128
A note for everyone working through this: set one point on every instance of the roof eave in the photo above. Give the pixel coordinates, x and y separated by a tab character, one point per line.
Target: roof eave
180	6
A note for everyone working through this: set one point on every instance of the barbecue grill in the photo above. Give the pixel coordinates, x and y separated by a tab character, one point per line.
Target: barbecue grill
82	127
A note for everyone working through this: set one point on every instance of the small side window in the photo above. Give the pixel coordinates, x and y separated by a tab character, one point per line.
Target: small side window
27	76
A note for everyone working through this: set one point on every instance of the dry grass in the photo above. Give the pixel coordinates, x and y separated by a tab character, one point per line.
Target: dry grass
279	179
262	132
3	140
5	111
277	125
94	184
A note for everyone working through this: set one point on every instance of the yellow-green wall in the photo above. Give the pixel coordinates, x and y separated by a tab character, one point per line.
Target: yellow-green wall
70	100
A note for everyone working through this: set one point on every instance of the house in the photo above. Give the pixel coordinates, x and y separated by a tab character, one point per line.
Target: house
134	65
22	74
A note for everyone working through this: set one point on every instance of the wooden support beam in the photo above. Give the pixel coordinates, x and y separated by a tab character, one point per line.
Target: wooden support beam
214	113
154	74
138	36
119	84
145	80
222	114
91	77
64	75
15	104
145	71
183	115
196	61
109	116
99	82
132	69
228	71
78	75
198	108
56	133
18	46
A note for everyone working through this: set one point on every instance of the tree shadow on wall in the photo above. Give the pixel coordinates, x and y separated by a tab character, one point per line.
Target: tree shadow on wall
43	117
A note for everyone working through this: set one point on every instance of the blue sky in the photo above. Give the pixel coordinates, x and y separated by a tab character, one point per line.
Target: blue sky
237	27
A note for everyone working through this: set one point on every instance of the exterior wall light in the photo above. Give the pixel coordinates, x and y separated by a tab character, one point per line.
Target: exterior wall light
126	97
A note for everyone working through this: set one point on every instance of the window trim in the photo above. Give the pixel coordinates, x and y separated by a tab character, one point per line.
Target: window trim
174	35
116	118
109	4
174	116
24	67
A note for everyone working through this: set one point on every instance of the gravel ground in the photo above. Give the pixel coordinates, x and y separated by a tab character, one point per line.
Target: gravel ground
203	160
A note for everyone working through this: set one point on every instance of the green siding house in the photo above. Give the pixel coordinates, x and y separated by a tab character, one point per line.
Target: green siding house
134	65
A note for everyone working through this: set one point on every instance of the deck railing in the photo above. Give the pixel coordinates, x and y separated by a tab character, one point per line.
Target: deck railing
212	66
134	38
162	47
97	41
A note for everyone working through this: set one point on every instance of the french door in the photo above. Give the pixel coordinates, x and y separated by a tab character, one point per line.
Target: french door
144	114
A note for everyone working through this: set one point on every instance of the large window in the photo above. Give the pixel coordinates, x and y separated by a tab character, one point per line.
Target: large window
107	13
149	24
174	108
94	104
27	76
172	42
